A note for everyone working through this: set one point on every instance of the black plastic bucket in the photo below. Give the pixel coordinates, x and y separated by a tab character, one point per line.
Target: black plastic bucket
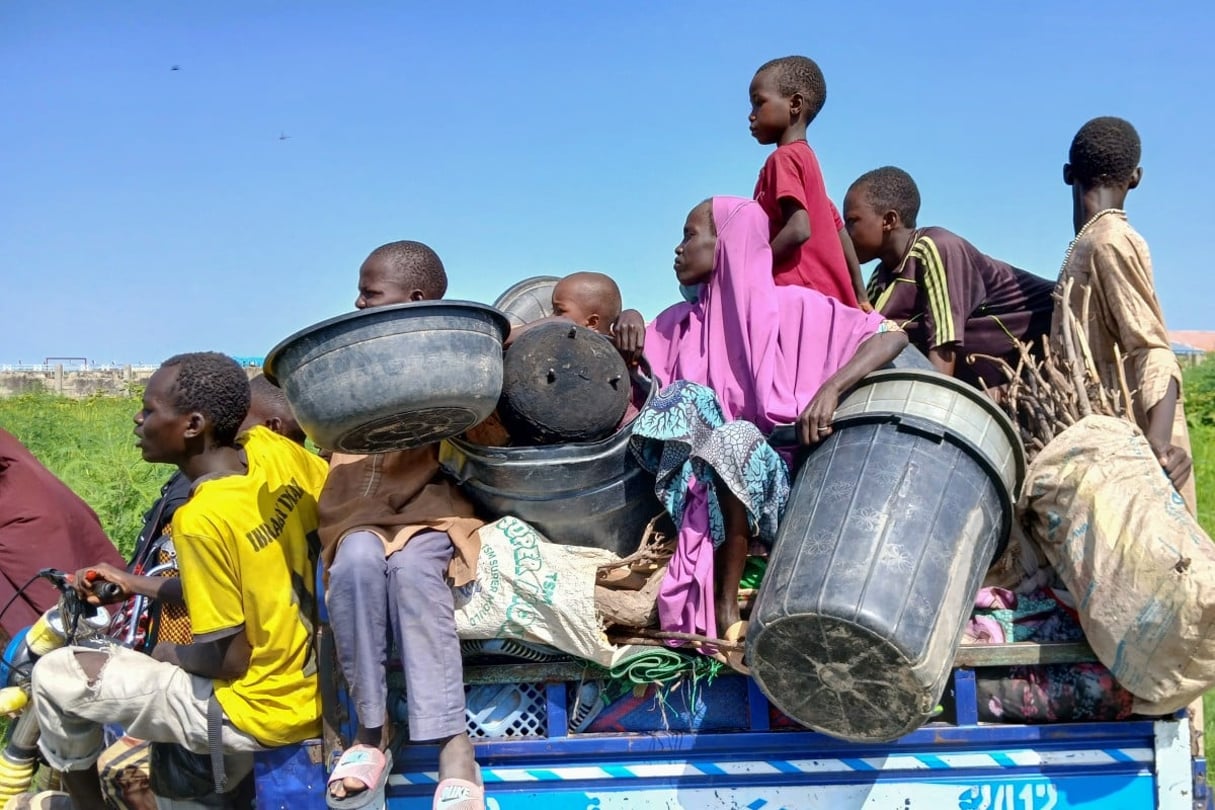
592	494
892	523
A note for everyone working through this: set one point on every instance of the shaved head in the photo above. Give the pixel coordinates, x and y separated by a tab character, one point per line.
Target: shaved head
268	406
589	299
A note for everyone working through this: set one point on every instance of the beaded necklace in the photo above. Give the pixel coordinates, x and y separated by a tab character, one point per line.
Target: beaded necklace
1083	230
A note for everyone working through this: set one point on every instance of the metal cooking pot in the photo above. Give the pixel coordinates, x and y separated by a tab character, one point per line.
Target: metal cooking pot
393	377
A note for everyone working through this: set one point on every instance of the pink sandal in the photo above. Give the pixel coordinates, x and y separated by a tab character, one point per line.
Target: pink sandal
460	794
367	764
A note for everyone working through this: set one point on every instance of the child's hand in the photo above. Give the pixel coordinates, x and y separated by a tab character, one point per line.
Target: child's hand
628	333
814	425
1176	463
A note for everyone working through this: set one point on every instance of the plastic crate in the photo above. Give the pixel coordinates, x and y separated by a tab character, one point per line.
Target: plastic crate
492	711
495	711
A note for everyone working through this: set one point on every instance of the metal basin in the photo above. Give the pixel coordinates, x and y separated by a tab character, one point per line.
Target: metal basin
529	300
394	377
590	494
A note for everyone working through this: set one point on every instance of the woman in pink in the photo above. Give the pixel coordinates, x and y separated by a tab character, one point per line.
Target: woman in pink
745	357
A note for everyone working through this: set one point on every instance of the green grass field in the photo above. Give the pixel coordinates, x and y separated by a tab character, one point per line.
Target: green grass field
1200	413
88	443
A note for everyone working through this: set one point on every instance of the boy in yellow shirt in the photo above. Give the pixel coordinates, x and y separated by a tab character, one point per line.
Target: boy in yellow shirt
246	545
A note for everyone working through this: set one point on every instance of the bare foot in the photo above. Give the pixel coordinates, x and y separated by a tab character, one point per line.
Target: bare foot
349	786
727	614
457	760
363	738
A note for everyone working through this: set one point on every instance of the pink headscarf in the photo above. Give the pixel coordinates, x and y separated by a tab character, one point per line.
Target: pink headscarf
764	350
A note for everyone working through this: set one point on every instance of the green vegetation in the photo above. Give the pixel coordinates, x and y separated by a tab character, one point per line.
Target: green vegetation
1200	413
88	443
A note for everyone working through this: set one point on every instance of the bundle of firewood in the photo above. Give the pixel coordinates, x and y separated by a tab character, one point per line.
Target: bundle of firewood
626	593
1045	398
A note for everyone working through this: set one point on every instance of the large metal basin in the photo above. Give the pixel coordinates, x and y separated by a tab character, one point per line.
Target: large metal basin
394	377
591	494
529	300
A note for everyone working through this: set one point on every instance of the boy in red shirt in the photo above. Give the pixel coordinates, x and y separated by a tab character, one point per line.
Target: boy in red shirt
810	247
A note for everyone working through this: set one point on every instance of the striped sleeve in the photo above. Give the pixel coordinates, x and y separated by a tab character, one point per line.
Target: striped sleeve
946	294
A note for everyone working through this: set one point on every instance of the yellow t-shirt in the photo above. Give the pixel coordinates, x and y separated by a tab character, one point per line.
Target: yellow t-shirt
246	548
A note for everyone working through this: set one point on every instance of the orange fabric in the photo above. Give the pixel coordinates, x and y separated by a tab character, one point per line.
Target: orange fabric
396	495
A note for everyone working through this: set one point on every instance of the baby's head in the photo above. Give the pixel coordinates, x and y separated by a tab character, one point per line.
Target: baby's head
588	299
400	272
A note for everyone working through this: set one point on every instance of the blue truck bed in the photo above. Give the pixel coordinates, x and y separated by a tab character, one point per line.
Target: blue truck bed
741	758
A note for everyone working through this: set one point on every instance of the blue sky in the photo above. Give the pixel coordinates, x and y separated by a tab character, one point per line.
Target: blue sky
146	211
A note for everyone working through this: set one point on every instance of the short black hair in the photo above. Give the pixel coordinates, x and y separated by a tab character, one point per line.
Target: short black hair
417	265
799	74
1104	152
214	385
889	188
274	403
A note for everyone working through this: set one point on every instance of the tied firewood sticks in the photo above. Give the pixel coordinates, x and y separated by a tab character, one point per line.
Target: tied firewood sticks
1045	398
661	638
657	547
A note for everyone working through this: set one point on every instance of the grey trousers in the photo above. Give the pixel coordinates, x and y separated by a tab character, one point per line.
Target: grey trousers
407	593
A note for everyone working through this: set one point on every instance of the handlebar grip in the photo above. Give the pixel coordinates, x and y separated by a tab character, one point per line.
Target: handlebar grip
108	591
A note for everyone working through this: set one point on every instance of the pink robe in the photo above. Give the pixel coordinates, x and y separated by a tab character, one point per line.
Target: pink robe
765	351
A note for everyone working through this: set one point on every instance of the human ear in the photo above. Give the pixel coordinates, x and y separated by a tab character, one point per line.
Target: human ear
417	295
1136	176
795	104
275	424
1068	177
890	220
592	321
196	424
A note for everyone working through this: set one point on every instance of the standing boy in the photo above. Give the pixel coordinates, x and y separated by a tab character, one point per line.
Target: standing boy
955	302
246	564
394	532
810	247
1109	260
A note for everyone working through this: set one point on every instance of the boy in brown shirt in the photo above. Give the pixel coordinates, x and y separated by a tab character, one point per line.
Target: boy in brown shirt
396	534
1109	260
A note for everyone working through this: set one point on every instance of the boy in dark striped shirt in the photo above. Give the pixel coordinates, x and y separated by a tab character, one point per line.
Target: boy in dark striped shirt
955	302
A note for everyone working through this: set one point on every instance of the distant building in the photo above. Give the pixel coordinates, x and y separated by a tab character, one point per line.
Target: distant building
1192	347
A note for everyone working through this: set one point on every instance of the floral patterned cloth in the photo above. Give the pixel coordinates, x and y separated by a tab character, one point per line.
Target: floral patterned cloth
682	436
1040	694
